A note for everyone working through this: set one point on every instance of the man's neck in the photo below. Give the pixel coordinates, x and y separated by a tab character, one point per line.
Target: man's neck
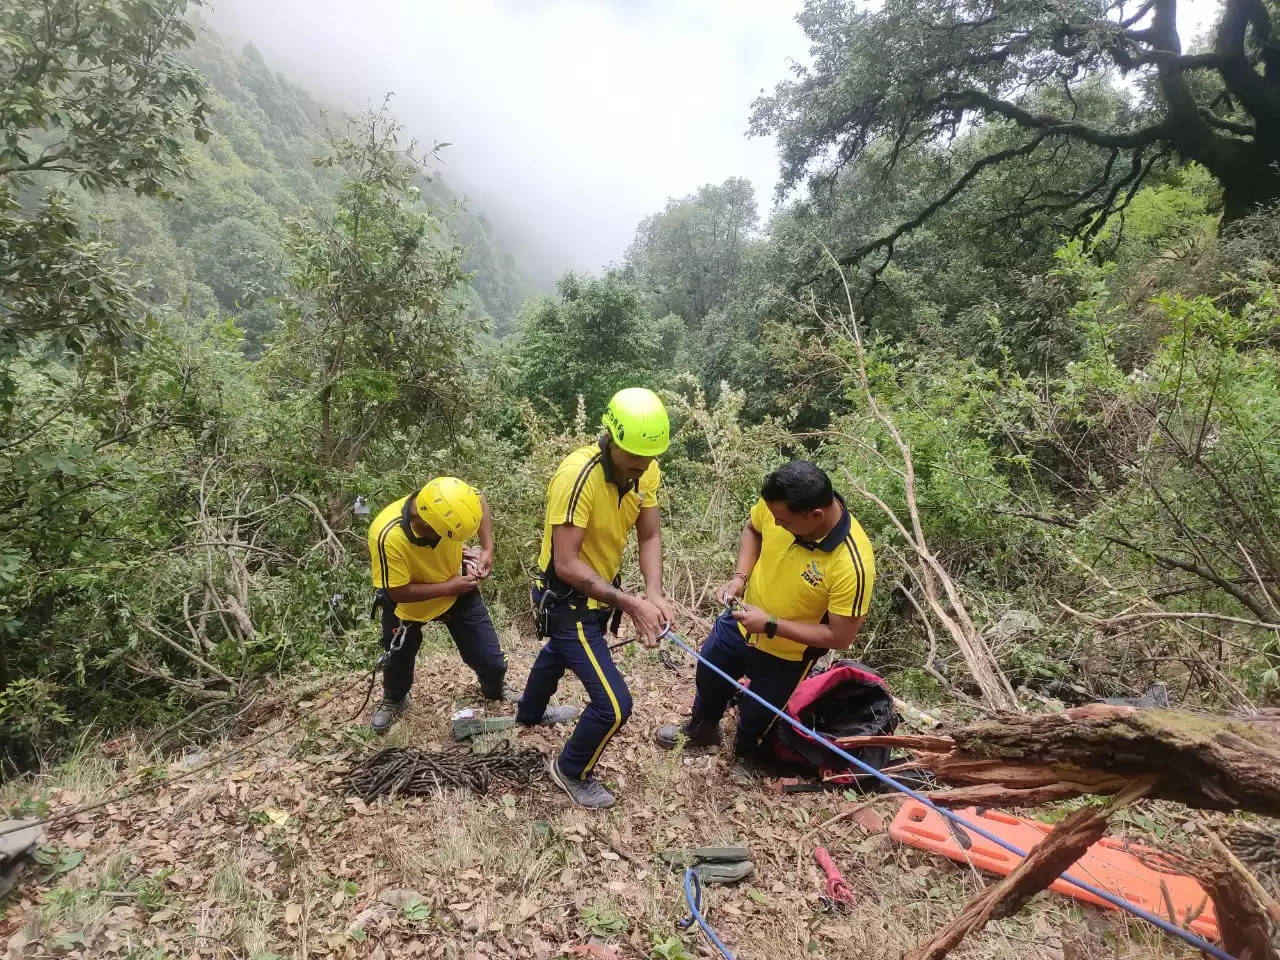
835	512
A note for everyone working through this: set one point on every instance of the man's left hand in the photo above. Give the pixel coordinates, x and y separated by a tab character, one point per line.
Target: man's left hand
480	561
753	618
664	606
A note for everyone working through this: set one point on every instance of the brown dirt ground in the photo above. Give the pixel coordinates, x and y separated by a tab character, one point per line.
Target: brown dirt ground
267	857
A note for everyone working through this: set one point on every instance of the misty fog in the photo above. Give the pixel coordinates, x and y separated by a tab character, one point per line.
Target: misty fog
569	120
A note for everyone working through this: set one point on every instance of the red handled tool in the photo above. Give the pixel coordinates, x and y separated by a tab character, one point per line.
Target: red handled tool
838	892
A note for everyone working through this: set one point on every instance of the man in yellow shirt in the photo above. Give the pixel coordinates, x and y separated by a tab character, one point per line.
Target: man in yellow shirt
596	496
422	571
807	570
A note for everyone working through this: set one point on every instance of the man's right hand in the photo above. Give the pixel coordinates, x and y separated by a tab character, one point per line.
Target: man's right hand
463	583
732	590
647	619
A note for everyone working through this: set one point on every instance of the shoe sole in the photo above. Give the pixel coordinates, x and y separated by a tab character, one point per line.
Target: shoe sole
559	779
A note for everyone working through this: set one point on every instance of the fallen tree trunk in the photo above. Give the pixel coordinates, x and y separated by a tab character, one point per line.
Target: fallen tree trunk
1020	760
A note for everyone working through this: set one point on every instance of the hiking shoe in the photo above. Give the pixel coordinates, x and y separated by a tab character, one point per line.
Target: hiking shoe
696	733
585	793
558	715
506	695
387	713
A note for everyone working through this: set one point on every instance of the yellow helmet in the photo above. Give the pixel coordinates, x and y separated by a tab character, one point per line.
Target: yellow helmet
450	507
637	421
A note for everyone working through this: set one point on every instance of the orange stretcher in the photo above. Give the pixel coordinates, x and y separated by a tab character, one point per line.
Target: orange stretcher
1107	864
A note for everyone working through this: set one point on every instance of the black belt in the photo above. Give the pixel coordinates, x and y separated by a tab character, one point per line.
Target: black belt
555	600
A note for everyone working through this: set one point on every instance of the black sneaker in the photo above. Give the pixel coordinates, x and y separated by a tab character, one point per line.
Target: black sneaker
387	713
506	695
695	733
586	793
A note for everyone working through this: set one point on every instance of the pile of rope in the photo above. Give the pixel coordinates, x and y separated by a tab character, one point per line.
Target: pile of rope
407	770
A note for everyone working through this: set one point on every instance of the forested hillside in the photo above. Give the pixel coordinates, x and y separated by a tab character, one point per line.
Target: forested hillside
228	316
216	245
1020	298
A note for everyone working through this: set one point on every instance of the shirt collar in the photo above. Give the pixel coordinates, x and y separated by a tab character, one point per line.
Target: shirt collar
406	523
606	464
837	534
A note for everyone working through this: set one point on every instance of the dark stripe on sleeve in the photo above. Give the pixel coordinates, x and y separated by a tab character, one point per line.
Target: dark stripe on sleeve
382	550
578	485
860	572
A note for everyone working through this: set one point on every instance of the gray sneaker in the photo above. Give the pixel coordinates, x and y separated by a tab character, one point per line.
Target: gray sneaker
586	793
558	715
388	712
553	715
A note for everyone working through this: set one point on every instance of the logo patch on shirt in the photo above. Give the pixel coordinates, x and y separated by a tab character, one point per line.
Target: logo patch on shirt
812	574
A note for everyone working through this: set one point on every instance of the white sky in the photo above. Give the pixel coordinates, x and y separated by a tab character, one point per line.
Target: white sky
570	120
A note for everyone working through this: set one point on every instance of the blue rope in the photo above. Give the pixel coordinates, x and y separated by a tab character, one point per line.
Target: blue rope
693	894
1107	895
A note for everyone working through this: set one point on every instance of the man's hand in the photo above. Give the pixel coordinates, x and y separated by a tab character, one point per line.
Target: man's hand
753	618
479	562
668	612
463	583
647	619
732	590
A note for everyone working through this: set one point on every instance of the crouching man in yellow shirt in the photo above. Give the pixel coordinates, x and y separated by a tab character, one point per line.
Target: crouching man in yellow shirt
422	571
807	570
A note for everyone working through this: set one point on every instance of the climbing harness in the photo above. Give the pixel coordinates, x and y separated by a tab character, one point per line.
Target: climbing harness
407	770
1185	935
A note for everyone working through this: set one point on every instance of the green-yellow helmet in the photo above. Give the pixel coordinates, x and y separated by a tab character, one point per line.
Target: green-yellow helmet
637	421
451	507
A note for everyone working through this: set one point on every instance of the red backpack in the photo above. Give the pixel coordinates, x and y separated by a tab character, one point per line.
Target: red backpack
846	700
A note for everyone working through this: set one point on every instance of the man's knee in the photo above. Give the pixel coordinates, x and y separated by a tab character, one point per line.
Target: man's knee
612	702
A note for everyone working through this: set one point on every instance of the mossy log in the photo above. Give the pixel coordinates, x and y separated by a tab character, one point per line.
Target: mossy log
1024	760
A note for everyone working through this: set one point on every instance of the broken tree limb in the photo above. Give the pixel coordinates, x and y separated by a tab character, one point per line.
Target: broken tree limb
1053	856
1021	760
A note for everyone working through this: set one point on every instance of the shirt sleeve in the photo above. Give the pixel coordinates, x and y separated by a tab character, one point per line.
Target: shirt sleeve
850	591
390	568
760	516
570	494
650	482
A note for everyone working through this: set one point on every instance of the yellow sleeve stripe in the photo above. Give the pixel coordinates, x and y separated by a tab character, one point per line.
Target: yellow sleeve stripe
860	575
382	549
579	484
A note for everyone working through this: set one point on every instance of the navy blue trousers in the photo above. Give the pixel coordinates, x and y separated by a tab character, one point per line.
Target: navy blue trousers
771	677
577	643
468	624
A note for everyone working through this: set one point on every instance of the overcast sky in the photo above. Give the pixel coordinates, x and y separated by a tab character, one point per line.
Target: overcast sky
570	120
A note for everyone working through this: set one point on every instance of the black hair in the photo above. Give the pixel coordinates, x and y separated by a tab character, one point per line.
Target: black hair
801	485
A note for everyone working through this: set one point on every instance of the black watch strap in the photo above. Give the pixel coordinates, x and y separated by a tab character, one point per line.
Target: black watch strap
771	627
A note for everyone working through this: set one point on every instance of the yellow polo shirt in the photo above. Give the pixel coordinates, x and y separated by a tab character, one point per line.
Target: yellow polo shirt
800	581
398	557
584	492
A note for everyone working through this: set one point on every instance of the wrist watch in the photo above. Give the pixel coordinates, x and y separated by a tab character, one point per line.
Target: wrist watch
771	627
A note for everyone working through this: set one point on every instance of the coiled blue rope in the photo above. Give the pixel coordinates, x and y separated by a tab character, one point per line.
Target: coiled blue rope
1182	934
693	894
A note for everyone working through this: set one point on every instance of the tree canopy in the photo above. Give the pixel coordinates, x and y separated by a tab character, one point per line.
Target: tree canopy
893	78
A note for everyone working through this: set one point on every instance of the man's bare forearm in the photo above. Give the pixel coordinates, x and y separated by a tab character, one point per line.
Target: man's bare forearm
578	574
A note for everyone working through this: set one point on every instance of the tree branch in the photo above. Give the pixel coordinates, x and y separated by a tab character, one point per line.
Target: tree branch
888	240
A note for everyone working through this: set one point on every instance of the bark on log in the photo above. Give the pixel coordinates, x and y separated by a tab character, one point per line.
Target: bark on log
1064	845
1020	760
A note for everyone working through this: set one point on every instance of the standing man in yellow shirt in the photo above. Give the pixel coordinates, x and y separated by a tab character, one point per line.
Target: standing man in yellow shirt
422	571
807	570
596	496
